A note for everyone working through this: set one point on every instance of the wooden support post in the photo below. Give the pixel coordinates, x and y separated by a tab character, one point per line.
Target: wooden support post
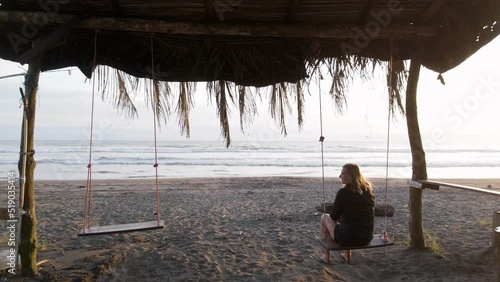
29	240
4	215
497	250
419	170
416	219
495	224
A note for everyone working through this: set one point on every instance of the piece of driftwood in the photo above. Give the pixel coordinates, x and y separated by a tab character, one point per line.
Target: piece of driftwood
380	210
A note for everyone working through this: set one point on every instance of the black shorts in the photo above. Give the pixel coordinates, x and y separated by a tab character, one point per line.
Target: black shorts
358	239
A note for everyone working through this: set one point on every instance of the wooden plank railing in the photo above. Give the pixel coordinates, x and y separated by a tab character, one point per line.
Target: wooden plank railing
431	184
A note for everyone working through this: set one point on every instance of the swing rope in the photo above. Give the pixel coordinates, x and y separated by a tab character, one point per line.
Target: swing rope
88	195
388	138
155	116
321	139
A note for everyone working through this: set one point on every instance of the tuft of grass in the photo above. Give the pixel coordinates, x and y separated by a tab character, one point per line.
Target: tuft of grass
4	239
407	241
484	222
433	243
42	246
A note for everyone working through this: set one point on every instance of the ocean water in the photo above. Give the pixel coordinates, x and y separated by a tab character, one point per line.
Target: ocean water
67	160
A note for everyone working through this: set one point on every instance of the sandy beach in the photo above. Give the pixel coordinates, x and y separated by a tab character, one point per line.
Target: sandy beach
254	229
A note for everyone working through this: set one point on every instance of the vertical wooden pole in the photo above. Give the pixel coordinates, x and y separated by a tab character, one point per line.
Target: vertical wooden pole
495	242
495	224
419	169
29	240
496	249
416	219
22	170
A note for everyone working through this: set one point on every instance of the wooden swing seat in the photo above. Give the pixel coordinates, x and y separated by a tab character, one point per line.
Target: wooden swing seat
376	242
121	228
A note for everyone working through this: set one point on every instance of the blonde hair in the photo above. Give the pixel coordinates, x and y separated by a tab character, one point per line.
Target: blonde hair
359	183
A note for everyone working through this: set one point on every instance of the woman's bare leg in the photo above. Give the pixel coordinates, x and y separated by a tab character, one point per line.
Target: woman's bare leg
327	225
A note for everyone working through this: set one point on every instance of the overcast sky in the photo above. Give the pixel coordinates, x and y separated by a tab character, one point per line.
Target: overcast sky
463	110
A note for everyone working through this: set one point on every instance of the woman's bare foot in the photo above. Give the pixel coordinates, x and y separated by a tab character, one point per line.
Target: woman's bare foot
346	255
325	258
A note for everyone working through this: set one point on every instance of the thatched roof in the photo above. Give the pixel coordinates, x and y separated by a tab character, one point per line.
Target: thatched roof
259	42
242	43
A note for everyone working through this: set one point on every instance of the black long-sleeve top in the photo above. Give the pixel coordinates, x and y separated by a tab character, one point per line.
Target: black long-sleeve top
356	215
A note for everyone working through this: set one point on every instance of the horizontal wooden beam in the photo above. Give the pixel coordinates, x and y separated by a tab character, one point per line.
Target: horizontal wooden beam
431	184
463	187
423	184
292	30
48	42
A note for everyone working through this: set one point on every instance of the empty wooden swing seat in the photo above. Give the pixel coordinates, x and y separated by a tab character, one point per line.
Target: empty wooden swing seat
376	242
121	228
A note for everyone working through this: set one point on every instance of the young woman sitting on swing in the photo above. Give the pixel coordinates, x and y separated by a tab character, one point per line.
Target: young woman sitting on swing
351	223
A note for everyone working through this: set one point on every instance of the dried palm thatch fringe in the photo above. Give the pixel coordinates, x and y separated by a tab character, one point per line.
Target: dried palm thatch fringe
115	86
184	105
300	103
398	84
279	105
119	88
247	106
223	109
